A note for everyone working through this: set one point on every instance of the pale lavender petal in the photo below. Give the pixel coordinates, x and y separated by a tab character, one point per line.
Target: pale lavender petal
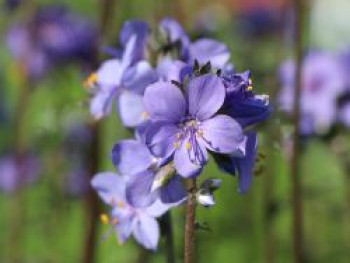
164	102
146	231
130	108
206	94
109	74
101	103
169	69
158	208
139	189
222	134
205	50
184	164
124	229
109	186
131	157
161	139
138	77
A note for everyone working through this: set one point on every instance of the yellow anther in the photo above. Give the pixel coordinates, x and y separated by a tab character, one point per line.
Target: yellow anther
120	204
144	115
199	133
90	81
104	218
249	88
176	145
188	145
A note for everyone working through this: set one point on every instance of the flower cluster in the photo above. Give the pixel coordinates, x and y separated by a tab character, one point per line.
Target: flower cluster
325	85
52	36
185	102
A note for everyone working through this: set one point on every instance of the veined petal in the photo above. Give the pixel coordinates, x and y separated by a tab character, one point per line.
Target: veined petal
164	102
205	50
131	109
146	231
158	208
184	164
222	134
131	157
109	186
161	138
206	94
139	189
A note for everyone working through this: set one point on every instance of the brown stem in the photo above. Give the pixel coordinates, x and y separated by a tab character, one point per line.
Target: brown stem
190	226
295	160
91	200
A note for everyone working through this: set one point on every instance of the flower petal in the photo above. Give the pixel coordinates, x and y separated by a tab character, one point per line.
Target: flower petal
138	189
245	164
131	109
146	231
161	138
173	192
164	102
222	134
184	164
101	103
109	74
109	186
131	157
138	77
206	94
205	50
158	208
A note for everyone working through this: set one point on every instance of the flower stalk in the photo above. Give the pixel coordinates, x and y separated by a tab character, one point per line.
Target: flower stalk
190	226
296	156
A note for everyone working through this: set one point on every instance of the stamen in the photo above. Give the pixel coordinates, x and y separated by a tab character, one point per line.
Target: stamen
249	88
176	145
144	115
90	81
104	218
178	135
120	204
188	145
115	221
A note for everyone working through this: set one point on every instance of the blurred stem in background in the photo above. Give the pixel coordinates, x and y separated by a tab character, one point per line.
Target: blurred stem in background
106	10
295	169
190	225
18	213
167	232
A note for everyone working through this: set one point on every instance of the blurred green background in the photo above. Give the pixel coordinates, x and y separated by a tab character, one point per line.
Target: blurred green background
255	227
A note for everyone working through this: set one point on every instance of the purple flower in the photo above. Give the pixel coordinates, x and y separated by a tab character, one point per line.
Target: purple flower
241	102
322	82
125	218
187	125
124	79
13	175
202	50
147	177
54	35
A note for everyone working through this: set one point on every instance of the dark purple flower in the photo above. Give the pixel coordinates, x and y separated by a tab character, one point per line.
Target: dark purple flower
186	125
125	218
147	177
323	81
241	102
